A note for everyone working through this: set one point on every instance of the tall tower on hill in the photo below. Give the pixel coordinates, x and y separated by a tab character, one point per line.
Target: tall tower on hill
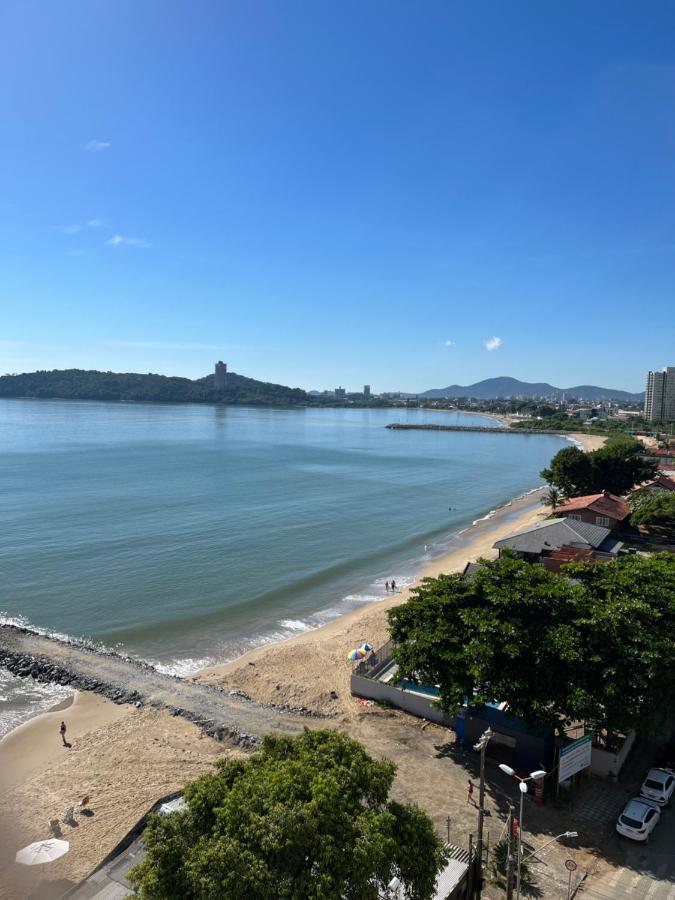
220	376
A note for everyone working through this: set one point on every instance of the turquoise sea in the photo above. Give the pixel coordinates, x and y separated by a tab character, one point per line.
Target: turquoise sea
188	534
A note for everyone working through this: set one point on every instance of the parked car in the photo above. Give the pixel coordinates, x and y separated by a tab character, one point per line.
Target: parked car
659	786
638	819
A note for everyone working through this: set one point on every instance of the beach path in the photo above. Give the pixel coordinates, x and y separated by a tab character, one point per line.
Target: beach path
122	679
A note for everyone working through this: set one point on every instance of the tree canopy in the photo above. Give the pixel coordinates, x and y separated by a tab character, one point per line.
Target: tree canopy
306	817
656	509
616	468
594	643
78	384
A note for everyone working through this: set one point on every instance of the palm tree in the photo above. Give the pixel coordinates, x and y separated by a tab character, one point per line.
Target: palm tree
553	498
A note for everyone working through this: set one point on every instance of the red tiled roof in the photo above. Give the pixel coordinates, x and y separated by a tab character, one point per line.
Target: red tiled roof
661	481
604	504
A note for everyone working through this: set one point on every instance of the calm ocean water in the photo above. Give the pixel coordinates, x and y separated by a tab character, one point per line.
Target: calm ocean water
187	534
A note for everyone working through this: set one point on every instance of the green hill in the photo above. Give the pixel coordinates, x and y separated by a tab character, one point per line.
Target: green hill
79	384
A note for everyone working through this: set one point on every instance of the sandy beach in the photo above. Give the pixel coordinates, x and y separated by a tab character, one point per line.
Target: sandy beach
127	758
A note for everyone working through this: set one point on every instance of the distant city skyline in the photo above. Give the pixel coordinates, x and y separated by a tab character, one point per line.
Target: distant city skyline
330	196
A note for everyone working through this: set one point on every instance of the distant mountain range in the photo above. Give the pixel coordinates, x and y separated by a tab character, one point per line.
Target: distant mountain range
505	387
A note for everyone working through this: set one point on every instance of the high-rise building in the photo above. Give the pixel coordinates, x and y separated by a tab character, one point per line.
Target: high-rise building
366	391
340	393
220	377
660	395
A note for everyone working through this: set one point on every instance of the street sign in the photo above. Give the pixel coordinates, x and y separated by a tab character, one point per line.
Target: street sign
575	757
570	865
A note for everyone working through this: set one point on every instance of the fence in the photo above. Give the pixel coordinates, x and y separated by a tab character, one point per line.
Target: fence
377	661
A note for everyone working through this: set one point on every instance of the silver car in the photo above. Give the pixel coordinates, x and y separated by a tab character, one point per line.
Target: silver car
659	786
638	819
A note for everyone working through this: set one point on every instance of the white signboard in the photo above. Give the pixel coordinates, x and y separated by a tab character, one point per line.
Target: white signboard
575	757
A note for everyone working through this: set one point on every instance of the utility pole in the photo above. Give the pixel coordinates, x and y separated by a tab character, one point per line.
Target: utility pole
469	892
481	745
509	858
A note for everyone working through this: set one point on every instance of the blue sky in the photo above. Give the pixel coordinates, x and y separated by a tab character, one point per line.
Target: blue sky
339	193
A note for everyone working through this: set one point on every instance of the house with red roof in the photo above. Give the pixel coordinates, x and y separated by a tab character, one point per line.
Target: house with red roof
661	482
605	509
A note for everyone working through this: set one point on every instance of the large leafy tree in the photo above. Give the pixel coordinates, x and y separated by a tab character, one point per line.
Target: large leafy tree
306	817
627	632
616	467
620	465
570	471
594	643
655	509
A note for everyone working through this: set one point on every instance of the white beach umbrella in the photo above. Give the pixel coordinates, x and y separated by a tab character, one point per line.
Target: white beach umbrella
41	852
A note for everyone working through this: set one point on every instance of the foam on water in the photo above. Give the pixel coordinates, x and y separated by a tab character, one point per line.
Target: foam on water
22	699
295	625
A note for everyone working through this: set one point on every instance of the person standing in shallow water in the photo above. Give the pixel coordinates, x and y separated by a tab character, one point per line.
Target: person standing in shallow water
62	732
386	585
393	585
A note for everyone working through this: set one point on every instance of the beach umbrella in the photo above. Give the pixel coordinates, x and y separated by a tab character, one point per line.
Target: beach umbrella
41	852
356	654
366	647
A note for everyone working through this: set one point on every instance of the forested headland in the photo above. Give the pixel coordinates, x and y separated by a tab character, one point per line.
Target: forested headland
80	384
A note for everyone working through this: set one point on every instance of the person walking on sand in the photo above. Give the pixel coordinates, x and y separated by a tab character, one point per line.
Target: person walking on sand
62	732
469	792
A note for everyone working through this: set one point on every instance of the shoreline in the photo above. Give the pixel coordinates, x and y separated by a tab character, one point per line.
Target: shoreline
514	513
310	669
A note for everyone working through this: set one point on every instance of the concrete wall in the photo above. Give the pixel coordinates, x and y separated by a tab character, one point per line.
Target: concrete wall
413	703
604	763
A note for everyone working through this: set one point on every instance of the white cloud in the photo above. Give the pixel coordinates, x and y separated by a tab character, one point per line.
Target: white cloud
75	229
493	343
450	343
97	146
119	240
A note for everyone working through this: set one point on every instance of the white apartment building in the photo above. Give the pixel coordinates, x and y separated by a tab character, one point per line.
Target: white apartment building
660	395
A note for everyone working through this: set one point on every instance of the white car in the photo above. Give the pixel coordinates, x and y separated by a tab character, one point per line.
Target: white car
638	819
659	786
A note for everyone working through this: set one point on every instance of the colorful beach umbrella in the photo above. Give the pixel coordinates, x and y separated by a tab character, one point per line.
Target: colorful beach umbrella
356	654
41	852
366	647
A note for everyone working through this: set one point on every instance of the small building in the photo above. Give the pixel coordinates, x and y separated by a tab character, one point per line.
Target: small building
603	509
514	742
539	542
662	482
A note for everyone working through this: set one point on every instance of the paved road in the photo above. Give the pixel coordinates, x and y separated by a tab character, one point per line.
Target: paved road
647	871
128	680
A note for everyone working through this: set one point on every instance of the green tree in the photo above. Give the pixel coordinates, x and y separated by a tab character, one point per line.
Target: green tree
627	634
620	465
570	471
597	647
655	509
616	468
305	817
552	498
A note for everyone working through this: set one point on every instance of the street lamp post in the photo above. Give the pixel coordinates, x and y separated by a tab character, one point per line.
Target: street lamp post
565	834
522	787
481	745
